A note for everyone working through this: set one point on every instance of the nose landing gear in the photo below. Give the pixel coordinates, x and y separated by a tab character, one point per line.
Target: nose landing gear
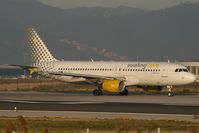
170	93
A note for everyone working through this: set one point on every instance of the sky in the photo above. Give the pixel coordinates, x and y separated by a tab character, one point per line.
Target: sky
143	4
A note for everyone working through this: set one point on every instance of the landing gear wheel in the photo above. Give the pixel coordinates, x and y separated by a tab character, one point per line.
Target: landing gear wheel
170	94
124	92
97	92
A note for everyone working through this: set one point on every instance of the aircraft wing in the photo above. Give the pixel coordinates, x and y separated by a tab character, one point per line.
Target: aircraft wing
89	76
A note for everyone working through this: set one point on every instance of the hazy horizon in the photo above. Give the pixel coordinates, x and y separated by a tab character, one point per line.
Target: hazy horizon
143	4
101	33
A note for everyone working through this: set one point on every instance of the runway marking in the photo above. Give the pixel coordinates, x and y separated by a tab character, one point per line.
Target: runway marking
16	101
87	102
180	104
81	102
52	102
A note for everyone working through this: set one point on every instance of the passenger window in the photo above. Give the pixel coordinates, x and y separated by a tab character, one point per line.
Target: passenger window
176	70
180	70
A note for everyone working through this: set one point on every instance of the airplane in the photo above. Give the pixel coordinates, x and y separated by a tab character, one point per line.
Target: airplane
110	76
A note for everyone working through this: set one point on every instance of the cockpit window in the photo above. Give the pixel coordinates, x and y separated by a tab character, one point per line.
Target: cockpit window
181	70
185	70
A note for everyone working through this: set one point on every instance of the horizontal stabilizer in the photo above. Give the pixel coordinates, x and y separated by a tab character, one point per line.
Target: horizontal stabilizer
20	66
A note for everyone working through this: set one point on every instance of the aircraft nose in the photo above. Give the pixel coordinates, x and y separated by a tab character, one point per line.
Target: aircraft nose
191	78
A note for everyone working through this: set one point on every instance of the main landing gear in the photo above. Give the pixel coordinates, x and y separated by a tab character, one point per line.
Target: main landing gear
170	93
124	92
97	92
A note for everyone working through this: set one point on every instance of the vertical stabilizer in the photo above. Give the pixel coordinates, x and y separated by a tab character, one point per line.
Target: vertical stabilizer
38	50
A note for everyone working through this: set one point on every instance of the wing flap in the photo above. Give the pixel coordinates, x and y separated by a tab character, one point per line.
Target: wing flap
89	76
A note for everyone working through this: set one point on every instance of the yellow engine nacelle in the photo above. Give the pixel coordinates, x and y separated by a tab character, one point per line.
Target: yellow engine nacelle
152	89
113	85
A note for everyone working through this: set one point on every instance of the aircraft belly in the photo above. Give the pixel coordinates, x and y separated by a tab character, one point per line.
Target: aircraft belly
131	80
150	80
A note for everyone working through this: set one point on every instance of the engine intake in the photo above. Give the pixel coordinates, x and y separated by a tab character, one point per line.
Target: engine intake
113	85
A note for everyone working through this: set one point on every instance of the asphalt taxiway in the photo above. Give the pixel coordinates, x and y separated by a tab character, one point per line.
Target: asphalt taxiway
107	106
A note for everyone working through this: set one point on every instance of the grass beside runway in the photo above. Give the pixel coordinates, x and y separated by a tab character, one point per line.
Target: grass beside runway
61	124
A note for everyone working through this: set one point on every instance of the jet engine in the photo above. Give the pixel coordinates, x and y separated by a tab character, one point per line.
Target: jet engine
152	89
113	86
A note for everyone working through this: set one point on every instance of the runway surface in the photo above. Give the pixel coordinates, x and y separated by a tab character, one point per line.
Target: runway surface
99	105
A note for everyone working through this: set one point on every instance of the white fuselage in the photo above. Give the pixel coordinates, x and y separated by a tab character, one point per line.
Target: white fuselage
135	73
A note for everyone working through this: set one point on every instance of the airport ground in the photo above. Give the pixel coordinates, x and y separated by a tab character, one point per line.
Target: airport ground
46	85
61	107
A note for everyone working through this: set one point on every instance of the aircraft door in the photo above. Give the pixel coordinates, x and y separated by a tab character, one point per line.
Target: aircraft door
165	71
117	70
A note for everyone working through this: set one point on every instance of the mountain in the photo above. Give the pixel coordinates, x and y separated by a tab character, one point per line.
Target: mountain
101	33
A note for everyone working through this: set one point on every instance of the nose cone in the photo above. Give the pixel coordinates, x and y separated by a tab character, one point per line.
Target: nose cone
191	78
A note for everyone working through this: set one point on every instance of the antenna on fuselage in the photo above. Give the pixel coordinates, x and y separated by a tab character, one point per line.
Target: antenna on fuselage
92	60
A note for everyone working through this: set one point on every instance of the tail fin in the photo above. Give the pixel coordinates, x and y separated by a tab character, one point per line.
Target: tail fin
38	51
